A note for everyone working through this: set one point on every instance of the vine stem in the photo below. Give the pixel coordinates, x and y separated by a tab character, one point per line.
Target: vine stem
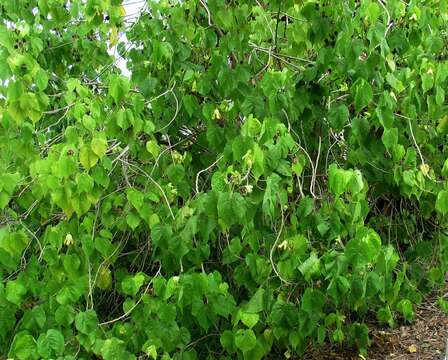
313	178
271	253
154	182
203	170
55	111
422	159
313	166
35	238
92	285
415	142
209	15
389	23
175	113
162	94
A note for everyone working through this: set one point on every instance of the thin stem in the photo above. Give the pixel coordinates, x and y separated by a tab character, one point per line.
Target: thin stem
271	253
175	113
127	313
206	169
154	182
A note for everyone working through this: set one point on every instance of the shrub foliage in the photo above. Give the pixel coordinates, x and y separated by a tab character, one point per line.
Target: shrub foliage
270	176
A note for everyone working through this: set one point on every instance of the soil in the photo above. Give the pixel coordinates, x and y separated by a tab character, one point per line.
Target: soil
425	339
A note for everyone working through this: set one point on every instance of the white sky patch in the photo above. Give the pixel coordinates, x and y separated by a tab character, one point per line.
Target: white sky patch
133	9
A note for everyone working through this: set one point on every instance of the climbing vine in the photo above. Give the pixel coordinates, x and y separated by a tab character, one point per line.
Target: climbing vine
264	177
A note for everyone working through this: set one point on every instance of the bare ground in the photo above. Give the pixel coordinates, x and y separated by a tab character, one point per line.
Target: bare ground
425	339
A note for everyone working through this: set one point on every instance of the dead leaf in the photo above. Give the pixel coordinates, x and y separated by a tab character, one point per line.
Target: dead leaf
412	349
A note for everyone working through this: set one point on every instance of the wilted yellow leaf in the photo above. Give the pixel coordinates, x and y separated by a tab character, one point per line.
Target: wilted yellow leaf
412	349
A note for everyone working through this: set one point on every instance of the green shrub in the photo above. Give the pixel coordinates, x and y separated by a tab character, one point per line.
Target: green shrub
268	177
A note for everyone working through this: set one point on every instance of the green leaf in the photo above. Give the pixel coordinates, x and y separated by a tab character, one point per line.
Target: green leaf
245	340
249	319
86	322
364	248
135	197
396	84
338	287
84	182
442	202
224	207
255	304
132	220
99	146
385	116
132	284
87	157
71	264
445	168
238	207
312	302
118	87
122	119
310	267
13	242
113	348
373	11
271	194
427	82
338	179
151	351
149	127
442	127
67	295
390	138
190	104
7	320
443	304
52	342
104	278
409	177
89	122
153	148
385	315
298	166
4	200
227	340
15	291
338	117
251	127
41	80
406	309
258	162
310	120
64	315
363	95
338	336
23	347
440	96
224	19
231	208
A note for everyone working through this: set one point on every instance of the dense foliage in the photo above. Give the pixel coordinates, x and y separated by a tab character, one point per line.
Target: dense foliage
268	177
